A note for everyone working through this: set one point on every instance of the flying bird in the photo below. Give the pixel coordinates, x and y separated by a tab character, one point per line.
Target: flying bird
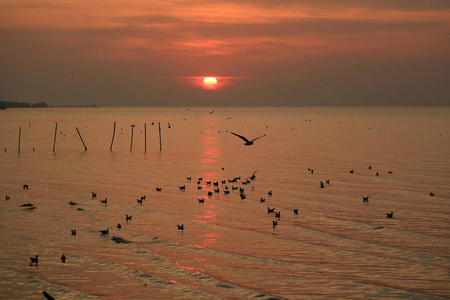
247	142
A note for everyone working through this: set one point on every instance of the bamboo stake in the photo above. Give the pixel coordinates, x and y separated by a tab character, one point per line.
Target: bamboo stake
114	133
54	140
145	134
160	145
20	131
131	145
85	148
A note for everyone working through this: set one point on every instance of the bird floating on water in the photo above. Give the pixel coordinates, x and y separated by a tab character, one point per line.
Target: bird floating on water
247	142
104	232
390	215
180	227
274	224
63	258
34	260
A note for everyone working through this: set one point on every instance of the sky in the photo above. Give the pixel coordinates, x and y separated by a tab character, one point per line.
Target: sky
262	52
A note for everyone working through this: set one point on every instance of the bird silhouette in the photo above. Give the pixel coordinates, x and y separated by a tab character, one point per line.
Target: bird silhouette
63	258
247	142
34	260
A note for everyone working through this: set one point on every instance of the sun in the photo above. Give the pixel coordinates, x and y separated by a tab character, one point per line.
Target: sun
210	82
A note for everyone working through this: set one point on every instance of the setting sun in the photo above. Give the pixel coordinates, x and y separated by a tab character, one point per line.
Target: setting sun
210	81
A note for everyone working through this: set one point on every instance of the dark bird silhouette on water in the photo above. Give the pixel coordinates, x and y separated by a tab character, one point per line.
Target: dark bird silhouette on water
296	211
278	214
247	142
274	224
94	195
431	194
180	227
7	197
390	215
139	201
365	199
128	217
47	296
158	189
321	185
104	232
34	260
262	200
270	210
105	201
201	200
74	231
25	186
119	226
269	193
63	258
183	187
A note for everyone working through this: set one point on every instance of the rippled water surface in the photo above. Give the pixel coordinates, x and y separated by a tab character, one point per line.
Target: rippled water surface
336	247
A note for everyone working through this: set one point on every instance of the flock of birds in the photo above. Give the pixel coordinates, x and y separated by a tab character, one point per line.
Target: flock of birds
247	142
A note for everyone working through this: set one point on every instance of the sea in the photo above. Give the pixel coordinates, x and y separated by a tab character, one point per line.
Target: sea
319	161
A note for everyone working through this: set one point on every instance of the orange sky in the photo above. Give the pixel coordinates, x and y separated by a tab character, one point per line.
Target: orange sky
289	52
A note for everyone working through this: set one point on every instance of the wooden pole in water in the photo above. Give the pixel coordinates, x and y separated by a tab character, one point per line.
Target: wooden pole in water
114	133
20	131
131	145
54	139
145	134
85	148
160	145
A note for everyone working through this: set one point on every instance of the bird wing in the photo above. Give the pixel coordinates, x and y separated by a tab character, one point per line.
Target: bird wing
258	137
242	137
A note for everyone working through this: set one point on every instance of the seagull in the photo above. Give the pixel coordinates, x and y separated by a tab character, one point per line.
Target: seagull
247	142
34	260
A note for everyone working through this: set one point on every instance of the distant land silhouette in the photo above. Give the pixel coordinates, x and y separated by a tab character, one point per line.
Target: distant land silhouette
12	104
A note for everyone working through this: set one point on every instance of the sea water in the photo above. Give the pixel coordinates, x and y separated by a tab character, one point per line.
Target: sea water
336	247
